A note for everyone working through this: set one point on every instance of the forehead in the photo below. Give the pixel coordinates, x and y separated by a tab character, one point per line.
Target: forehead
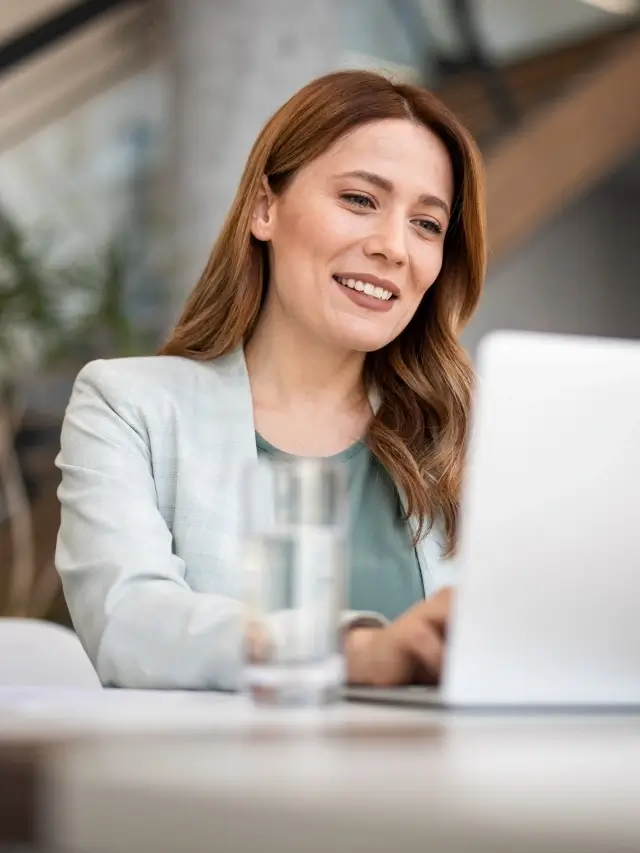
408	154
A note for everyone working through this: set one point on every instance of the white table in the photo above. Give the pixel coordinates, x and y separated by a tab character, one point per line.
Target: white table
213	773
53	714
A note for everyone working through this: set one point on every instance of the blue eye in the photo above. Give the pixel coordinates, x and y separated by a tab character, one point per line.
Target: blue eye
430	226
357	199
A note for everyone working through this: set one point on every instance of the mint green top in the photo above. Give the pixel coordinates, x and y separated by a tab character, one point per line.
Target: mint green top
383	574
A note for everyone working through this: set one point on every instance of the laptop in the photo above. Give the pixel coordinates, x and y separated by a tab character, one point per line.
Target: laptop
547	612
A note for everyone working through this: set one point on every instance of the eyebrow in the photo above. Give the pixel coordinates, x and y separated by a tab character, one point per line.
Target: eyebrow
387	186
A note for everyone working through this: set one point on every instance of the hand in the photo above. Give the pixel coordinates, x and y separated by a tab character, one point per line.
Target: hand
408	651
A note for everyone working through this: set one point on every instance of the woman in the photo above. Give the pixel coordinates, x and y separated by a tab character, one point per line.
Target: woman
324	324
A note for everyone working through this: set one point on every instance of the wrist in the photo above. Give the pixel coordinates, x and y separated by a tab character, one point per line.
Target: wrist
358	642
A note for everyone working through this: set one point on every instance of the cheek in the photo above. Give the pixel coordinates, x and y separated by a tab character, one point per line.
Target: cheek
426	268
320	232
302	246
303	233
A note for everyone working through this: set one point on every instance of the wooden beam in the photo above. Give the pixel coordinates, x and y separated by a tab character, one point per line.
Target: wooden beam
563	148
532	81
49	87
16	16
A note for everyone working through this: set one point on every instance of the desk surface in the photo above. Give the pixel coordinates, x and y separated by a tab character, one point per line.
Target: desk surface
212	772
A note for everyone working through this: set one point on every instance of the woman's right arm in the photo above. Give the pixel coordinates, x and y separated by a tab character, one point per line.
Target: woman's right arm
140	622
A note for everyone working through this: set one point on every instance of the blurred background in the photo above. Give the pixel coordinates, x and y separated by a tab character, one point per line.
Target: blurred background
124	126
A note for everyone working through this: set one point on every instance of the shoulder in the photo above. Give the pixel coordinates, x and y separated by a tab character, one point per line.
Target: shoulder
148	378
160	395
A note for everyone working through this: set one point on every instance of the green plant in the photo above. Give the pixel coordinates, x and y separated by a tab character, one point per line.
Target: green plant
107	326
52	314
55	312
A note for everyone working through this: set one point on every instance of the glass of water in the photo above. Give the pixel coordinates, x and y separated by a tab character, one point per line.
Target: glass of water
294	570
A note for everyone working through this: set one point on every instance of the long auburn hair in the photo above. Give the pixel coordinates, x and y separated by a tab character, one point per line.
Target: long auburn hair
423	377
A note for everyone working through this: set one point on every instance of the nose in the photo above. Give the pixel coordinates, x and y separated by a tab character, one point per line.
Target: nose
388	240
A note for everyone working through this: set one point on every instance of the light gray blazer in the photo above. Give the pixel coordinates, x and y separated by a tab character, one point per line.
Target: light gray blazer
151	453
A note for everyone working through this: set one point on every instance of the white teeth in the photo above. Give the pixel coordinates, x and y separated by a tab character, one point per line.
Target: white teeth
366	287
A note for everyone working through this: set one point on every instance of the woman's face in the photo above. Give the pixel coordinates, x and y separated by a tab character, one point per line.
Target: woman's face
357	237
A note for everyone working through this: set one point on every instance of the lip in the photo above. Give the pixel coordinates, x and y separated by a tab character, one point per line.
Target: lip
363	300
371	279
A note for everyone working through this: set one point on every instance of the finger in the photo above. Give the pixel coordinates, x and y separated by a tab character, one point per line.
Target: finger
426	647
442	600
435	611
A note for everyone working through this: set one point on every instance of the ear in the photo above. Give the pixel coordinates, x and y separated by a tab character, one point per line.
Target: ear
262	218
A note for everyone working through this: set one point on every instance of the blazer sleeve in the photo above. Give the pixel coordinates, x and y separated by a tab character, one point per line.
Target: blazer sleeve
138	619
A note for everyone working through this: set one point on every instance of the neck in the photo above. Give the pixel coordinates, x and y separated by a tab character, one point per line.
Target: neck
288	369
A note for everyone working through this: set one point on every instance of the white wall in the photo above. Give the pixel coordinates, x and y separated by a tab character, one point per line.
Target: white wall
579	275
73	178
371	29
236	62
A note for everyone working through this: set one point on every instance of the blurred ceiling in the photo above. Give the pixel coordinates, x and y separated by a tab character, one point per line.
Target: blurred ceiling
56	55
511	30
550	92
19	15
588	130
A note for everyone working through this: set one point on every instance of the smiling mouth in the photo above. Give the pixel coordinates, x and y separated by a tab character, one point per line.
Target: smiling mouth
365	287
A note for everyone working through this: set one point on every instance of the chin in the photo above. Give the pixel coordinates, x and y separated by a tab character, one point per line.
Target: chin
362	341
366	336
366	346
